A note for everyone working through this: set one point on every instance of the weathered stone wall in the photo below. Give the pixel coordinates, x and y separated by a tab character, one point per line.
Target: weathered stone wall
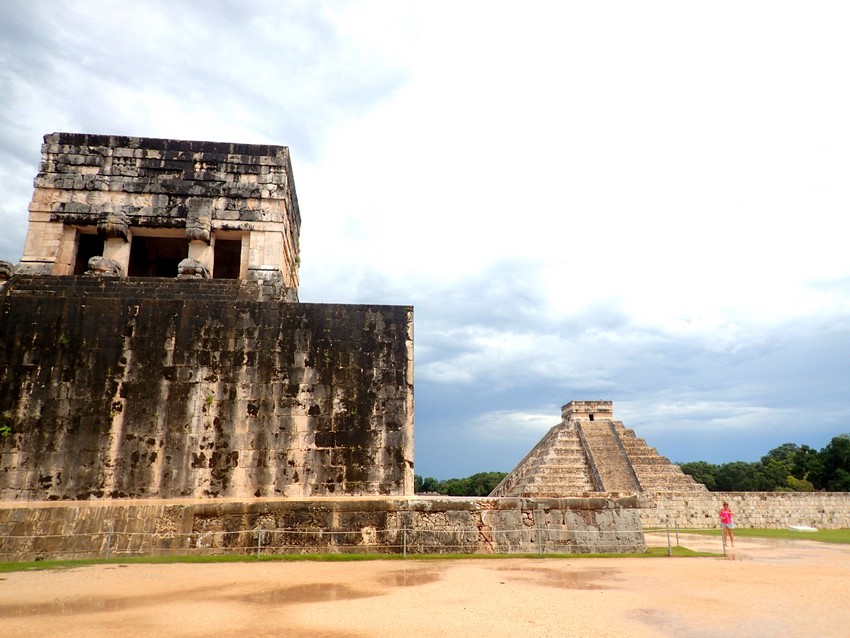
177	388
771	510
32	531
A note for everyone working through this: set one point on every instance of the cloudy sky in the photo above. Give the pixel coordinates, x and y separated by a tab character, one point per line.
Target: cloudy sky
644	202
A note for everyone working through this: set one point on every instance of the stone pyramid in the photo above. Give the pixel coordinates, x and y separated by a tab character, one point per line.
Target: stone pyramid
590	452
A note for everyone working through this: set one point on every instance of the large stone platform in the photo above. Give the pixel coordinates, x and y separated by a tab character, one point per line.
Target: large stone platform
146	387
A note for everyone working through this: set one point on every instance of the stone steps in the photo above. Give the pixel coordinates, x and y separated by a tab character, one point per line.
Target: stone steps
213	290
612	466
652	468
556	465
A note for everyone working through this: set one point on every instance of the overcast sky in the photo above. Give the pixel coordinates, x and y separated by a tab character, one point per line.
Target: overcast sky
644	202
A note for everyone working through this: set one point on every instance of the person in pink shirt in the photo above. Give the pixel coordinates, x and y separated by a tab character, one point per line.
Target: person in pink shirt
726	524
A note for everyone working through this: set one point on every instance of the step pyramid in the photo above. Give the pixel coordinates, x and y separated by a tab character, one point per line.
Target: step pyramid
590	452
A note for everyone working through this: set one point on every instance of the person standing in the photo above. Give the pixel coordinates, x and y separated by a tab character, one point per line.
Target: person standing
726	524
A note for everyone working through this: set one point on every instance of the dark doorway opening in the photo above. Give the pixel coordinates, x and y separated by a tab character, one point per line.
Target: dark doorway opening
156	256
228	258
89	246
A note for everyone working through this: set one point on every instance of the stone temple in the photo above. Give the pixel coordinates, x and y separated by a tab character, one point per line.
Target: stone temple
590	452
151	344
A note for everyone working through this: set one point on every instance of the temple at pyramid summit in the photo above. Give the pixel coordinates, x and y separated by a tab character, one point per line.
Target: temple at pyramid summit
589	451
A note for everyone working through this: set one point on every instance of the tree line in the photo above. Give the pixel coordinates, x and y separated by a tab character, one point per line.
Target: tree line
480	484
787	468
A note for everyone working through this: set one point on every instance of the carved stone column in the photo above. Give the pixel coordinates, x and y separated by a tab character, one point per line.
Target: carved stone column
114	227
7	270
200	235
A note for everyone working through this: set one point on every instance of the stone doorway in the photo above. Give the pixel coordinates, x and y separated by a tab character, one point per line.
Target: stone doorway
88	246
228	258
156	256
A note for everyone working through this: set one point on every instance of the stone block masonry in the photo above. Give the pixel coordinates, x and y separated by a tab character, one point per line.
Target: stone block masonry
767	510
37	531
199	388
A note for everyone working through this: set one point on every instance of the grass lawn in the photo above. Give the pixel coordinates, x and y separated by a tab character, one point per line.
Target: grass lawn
652	552
822	535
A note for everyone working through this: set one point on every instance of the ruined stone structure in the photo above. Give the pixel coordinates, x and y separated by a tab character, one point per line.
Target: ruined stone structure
149	346
152	347
590	452
141	207
33	531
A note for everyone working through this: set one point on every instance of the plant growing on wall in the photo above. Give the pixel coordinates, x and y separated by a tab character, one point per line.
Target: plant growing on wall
6	424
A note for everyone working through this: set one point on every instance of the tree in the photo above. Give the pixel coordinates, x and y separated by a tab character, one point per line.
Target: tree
799	485
427	484
771	476
840	481
480	484
836	464
808	466
737	476
785	452
702	472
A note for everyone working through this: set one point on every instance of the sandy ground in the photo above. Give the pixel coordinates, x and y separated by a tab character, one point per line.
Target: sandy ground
762	588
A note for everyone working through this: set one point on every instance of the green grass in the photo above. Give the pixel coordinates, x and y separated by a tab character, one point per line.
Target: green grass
822	535
652	552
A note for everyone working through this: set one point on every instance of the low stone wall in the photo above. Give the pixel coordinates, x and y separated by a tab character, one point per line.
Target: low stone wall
771	510
38	531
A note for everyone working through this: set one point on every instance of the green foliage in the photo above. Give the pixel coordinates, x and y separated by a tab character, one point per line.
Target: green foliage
799	485
836	464
480	484
788	467
5	424
702	472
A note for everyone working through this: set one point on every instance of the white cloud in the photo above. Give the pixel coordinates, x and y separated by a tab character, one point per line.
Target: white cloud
507	425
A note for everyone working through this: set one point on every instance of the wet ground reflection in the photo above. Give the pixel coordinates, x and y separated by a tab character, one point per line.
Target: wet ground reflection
410	578
587	579
308	593
68	607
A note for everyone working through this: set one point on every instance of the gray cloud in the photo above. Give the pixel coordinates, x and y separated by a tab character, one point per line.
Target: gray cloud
478	410
283	72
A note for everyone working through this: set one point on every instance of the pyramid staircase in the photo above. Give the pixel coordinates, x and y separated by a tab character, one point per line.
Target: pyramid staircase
555	466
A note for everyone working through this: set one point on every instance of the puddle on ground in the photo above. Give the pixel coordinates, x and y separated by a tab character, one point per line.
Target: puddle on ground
66	608
409	578
584	579
89	605
310	593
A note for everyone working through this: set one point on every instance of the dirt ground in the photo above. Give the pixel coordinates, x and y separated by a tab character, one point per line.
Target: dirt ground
762	588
